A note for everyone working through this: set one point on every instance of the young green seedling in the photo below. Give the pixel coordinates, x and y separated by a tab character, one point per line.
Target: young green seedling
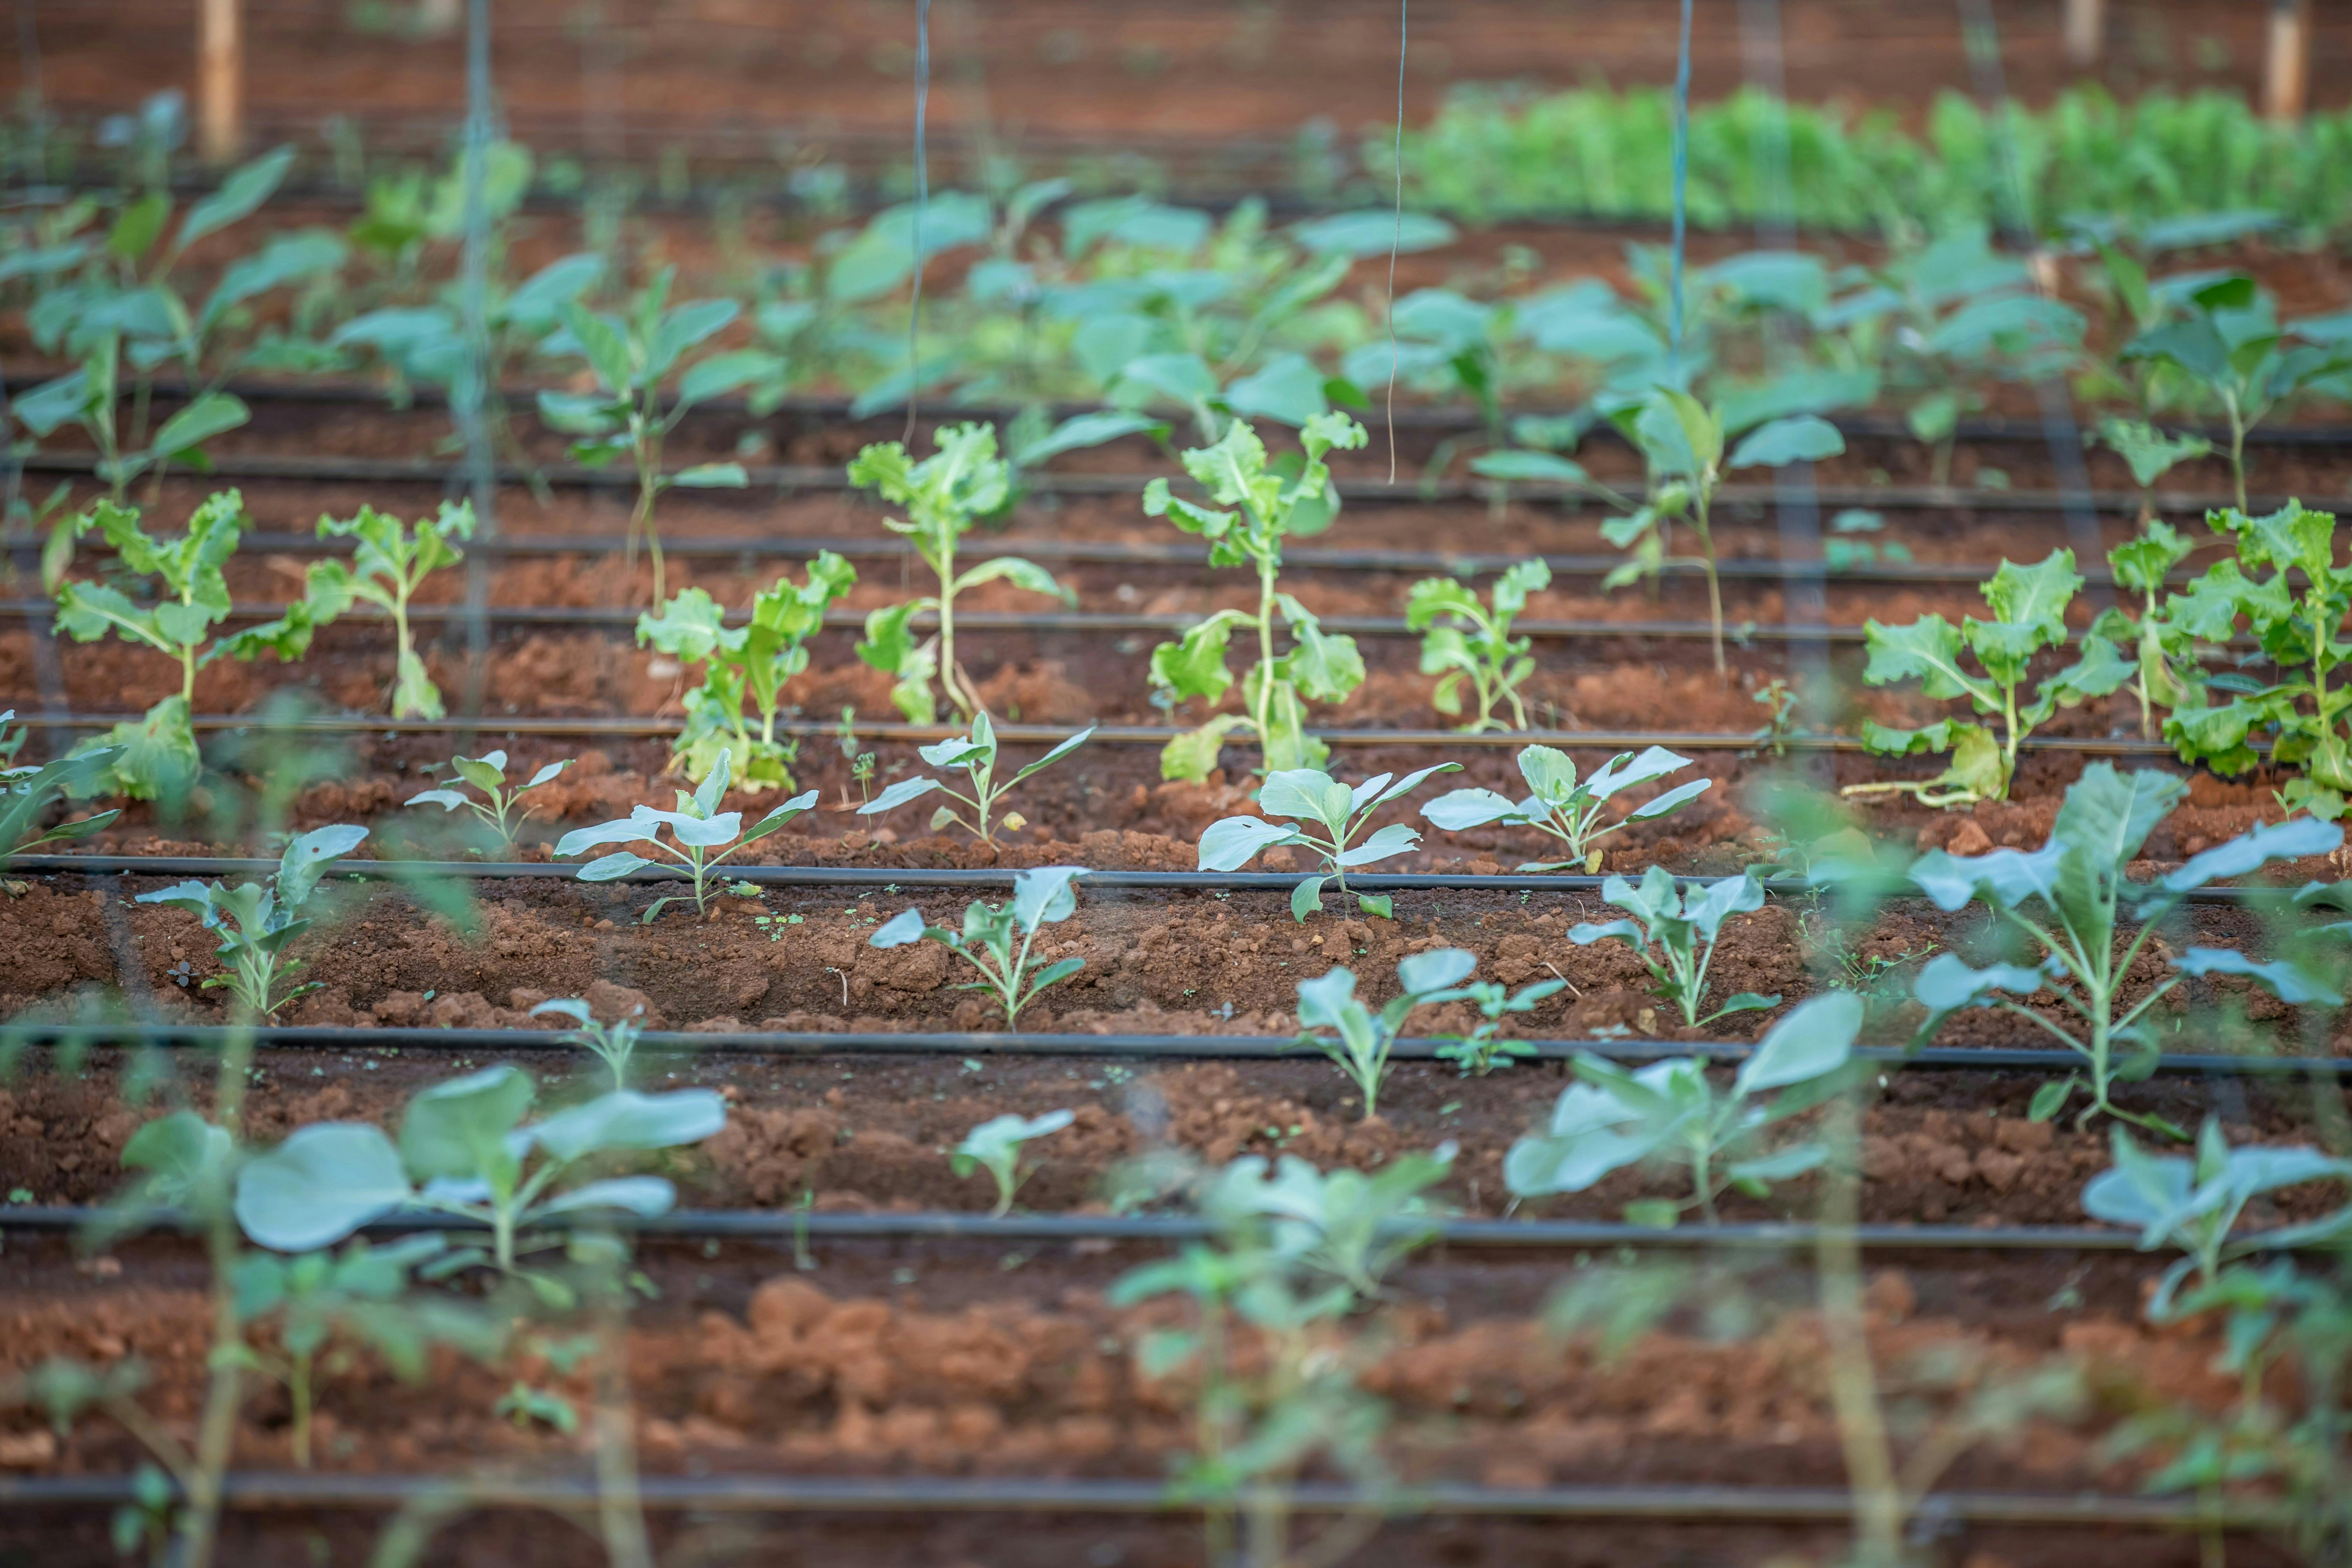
2169	675
1039	897
1265	508
385	570
614	1043
1484	1049
997	1146
1313	798
1675	922
1476	645
699	828
2151	454
28	793
257	924
1669	1113
1361	1039
745	663
976	753
2078	878
2030	602
1568	809
497	812
1346	1225
960	482
465	1149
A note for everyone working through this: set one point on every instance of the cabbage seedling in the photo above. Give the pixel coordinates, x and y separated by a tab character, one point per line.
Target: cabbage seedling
1265	508
1483	1050
466	1149
698	826
2030	602
1668	926
1671	1112
745	663
26	794
257	924
1475	646
614	1043
1314	797
1348	1226
2067	898
976	753
1569	810
944	495
2151	454
1039	897
996	1146
1361	1039
390	563
487	772
2169	676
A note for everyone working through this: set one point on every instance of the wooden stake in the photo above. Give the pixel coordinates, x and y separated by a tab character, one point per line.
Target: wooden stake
2086	26
220	84
2287	71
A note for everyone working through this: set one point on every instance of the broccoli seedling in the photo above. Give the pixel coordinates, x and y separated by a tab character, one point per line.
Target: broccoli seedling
698	826
1312	796
257	924
1567	808
1675	922
976	753
1039	897
1475	646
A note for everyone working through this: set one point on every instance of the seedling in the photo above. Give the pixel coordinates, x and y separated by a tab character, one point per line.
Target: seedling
2078	877
699	828
1361	1039
614	1043
1042	897
1314	797
1484	1049
1475	646
1778	698
959	483
2030	602
392	560
1671	1114
1568	809
1666	930
1267	507
974	753
2168	674
487	772
26	794
257	924
997	1145
2151	455
465	1149
1346	1225
2194	1204
744	664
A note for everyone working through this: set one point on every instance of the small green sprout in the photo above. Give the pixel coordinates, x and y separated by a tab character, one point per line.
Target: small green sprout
976	753
699	828
257	924
487	772
615	1042
1040	897
997	1146
1566	809
1312	796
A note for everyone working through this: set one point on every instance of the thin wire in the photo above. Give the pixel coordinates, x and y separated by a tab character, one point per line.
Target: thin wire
470	399
1682	176
1396	239
922	198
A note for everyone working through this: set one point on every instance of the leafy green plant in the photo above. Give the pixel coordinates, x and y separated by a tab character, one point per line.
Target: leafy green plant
1778	700
1475	646
466	1149
1265	508
155	757
614	1043
1484	1049
2077	887
1347	1226
1039	897
1565	808
28	793
257	924
2297	614
2168	674
2030	607
1671	1114
2150	454
1668	927
390	563
64	1390
1315	799
974	752
697	828
745	663
1361	1040
960	482
497	809
997	1146
636	405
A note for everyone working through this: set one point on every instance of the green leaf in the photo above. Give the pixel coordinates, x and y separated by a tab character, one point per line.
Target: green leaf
712	477
1192	755
1085	430
1802	439
1194	666
239	196
1816	1037
326	1181
211	415
458	1129
2050	1098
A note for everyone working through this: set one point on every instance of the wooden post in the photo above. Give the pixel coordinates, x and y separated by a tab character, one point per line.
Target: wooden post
2086	26
2287	71
220	80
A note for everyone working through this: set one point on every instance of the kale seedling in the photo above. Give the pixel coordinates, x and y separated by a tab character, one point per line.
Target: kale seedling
1567	808
997	1145
1361	1039
1313	796
1674	923
745	663
699	828
1266	507
1671	1112
2030	603
257	924
390	564
2077	883
1039	897
487	772
614	1043
1475	646
976	753
2168	674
